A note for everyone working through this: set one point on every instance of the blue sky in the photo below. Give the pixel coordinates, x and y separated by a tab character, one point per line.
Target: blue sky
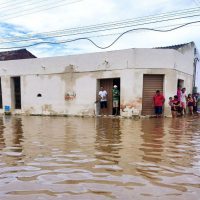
17	22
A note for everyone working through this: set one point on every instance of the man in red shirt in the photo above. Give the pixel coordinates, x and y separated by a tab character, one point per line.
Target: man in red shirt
158	101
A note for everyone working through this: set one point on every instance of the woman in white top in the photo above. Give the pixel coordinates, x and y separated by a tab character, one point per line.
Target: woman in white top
183	100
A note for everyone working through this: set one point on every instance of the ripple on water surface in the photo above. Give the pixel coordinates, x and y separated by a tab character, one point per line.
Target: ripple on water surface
55	158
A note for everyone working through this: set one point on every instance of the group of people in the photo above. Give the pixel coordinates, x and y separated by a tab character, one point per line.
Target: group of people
103	100
180	104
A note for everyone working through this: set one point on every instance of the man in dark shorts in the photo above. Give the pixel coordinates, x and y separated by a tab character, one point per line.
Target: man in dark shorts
158	102
103	100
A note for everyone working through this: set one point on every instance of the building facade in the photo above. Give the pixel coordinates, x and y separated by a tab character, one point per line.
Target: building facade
69	85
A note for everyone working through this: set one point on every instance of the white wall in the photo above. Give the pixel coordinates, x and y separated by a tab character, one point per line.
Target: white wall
52	90
197	81
121	59
68	84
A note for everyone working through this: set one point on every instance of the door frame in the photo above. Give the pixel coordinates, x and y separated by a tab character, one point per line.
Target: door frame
108	84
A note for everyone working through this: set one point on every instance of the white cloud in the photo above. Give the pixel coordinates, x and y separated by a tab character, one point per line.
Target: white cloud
91	12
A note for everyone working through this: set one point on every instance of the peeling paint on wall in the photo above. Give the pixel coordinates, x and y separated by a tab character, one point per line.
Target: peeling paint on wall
131	108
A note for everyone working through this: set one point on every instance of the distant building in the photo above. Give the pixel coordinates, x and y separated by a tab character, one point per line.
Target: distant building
69	85
15	55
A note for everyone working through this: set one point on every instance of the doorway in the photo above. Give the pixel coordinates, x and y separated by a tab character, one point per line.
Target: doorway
16	92
180	83
108	86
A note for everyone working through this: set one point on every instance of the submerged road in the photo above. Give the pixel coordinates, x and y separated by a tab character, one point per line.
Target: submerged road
59	158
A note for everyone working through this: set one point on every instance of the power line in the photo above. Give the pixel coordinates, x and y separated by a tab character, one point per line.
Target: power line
7	2
94	31
18	4
198	2
22	14
12	15
105	47
103	27
24	4
195	2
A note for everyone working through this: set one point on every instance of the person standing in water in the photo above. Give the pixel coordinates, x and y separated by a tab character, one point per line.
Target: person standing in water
158	102
115	97
103	100
183	101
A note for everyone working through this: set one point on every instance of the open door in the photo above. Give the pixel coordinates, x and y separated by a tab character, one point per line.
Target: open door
108	86
16	92
180	83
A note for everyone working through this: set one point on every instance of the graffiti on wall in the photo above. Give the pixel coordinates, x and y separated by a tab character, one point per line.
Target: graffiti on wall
70	96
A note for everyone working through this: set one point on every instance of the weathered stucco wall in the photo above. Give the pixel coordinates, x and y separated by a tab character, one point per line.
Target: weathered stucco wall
111	60
68	85
74	93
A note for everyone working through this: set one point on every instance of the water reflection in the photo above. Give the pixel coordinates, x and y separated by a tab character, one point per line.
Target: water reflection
180	152
108	139
99	158
2	139
12	135
152	135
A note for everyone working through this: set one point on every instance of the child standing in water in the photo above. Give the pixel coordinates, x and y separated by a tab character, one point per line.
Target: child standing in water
175	106
171	104
190	103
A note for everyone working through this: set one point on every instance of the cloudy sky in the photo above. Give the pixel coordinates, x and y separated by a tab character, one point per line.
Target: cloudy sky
63	27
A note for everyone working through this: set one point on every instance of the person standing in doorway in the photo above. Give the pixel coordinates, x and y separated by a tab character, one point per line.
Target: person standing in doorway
115	97
103	100
183	100
158	102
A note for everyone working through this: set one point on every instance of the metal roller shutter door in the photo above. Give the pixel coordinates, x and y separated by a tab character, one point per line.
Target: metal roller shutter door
151	83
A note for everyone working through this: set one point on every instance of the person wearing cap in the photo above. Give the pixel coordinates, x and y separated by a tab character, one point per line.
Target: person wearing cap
115	97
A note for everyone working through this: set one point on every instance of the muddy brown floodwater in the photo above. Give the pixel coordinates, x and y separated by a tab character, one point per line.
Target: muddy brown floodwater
59	158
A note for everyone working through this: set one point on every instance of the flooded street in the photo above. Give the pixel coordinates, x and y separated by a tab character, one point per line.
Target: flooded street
59	158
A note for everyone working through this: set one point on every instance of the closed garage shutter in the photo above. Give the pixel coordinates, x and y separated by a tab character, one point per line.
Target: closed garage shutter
151	83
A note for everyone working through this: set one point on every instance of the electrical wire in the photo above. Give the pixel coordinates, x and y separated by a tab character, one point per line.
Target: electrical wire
92	29
105	47
173	12
6	17
19	4
195	2
8	2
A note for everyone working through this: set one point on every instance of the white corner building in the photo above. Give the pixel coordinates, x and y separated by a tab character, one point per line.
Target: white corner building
69	85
